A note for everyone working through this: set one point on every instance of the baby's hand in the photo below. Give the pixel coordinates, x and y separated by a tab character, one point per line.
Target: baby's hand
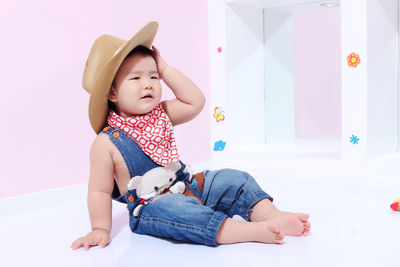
161	64
97	237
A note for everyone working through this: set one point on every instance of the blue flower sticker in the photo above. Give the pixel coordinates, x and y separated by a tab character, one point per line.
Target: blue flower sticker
354	139
219	145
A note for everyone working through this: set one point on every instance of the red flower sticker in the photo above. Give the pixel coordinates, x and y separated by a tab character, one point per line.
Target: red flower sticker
353	60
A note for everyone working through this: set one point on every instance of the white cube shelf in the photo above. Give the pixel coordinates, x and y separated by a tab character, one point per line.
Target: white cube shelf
288	5
260	110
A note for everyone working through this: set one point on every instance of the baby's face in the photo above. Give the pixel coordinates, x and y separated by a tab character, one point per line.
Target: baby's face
137	88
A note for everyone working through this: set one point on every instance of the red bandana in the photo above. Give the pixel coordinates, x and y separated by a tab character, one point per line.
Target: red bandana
153	132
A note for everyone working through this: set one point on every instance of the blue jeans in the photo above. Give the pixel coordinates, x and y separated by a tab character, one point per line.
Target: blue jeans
225	193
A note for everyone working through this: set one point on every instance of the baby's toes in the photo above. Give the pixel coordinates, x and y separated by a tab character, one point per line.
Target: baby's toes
302	216
306	232
279	238
277	233
307	228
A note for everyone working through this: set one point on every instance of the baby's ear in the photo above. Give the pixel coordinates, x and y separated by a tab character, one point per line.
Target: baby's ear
173	166
112	95
134	182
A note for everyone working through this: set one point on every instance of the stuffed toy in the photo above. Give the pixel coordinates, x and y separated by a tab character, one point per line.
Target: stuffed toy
158	181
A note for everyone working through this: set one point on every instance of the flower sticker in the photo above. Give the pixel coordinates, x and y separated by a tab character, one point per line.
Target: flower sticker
353	60
219	49
354	139
219	145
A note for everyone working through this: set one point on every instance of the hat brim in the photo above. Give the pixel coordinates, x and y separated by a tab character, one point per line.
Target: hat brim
98	102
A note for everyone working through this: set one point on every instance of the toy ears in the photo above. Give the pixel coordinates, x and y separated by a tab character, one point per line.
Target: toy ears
134	182
173	166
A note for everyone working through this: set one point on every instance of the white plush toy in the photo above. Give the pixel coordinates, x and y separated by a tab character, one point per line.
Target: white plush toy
155	181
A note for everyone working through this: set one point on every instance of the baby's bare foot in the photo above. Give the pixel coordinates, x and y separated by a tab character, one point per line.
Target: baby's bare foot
292	224
269	233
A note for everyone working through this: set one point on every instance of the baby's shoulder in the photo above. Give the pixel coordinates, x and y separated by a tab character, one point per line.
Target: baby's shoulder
102	143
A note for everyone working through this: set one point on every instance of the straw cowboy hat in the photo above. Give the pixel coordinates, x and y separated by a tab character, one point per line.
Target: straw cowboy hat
103	62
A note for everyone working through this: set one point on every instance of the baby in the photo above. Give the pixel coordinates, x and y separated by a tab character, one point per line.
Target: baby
135	135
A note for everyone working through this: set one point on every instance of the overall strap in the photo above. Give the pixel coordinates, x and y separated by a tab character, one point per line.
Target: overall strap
136	160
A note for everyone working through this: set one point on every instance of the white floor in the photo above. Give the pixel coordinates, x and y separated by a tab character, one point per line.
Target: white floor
352	223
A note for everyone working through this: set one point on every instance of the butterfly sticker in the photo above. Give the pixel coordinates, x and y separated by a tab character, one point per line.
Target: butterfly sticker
219	114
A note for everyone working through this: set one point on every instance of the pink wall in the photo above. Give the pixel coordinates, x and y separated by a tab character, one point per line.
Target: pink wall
46	134
318	75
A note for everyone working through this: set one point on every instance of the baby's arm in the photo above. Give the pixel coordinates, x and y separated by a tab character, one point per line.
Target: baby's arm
189	99
99	195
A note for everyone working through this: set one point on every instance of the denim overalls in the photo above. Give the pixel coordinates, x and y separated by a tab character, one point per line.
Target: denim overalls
224	193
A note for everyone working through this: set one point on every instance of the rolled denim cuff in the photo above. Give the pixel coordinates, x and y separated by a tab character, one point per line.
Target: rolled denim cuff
212	228
257	198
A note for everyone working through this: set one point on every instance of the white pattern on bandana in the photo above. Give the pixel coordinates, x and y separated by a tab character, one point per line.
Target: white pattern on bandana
153	132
